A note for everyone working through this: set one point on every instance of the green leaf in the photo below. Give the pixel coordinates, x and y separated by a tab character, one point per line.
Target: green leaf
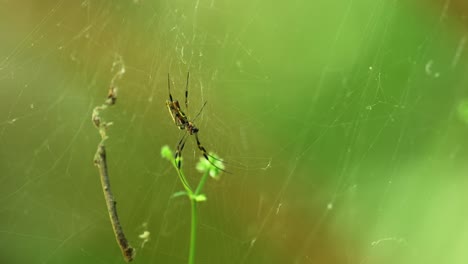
178	194
166	153
214	166
199	197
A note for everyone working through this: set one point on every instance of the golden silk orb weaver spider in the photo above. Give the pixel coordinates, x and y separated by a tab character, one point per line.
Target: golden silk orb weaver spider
183	123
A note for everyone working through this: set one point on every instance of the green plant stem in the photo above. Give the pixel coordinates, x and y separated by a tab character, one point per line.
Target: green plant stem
202	182
184	181
193	226
194	197
193	205
193	232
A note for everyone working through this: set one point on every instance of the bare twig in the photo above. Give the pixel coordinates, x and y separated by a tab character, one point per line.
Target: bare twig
101	162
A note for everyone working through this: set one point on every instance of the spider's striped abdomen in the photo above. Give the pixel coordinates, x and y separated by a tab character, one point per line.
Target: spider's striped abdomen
179	117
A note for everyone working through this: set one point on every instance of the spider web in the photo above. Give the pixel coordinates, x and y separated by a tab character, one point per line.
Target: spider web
343	125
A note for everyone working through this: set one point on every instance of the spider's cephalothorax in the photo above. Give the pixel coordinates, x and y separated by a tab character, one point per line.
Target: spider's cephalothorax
182	122
191	128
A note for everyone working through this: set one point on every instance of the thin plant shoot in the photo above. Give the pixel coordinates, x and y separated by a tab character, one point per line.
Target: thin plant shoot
208	168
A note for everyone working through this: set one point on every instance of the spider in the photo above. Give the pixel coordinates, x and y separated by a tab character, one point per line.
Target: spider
183	123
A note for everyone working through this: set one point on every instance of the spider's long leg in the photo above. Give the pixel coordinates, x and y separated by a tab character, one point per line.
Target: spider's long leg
206	155
199	112
186	92
180	147
169	87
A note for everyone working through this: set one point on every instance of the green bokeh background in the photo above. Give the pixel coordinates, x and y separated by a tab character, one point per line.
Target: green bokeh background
343	124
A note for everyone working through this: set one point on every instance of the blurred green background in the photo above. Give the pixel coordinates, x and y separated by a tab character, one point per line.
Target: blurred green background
343	124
